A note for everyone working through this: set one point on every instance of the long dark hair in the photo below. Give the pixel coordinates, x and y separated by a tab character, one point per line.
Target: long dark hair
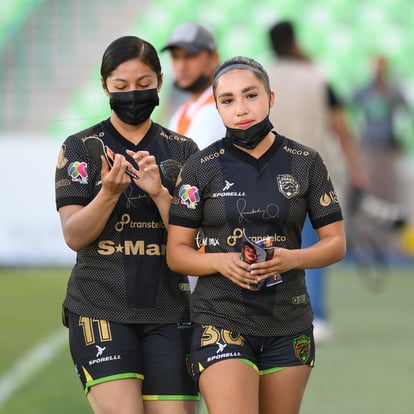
126	48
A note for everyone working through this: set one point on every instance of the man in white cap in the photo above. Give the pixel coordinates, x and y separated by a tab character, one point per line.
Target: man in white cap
194	58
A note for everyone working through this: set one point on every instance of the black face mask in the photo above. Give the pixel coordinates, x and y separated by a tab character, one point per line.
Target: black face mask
134	107
199	84
249	138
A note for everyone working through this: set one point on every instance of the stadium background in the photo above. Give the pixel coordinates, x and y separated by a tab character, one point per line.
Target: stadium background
50	52
49	74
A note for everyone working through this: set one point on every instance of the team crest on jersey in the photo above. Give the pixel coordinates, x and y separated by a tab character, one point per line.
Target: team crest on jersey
78	172
288	185
302	345
189	365
171	169
189	195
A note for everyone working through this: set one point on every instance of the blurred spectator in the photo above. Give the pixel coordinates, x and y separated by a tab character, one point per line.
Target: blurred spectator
378	101
308	110
194	58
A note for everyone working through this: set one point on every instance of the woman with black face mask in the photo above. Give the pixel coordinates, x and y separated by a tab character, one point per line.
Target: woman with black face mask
127	312
252	347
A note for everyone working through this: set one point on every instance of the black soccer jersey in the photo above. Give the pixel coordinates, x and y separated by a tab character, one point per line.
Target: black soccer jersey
122	276
224	190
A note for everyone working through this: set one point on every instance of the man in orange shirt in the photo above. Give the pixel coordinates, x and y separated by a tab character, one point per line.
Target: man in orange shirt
194	59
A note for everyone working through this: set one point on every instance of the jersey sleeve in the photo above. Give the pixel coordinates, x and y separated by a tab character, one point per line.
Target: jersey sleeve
74	174
323	204
187	202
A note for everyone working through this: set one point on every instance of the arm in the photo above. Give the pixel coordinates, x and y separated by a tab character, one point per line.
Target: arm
163	201
330	249
349	149
81	225
150	181
339	126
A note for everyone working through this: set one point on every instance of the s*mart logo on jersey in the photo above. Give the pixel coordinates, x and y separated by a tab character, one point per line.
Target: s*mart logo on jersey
131	248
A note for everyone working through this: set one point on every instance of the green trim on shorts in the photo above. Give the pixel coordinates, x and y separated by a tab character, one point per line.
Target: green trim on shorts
264	371
170	397
250	364
90	383
271	370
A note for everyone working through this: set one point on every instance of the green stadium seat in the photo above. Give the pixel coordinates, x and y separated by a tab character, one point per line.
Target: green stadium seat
340	34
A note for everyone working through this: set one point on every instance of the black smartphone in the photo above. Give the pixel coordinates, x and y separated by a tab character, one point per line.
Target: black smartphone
96	148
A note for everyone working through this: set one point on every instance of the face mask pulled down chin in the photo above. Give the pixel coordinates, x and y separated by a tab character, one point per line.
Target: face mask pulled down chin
134	107
249	138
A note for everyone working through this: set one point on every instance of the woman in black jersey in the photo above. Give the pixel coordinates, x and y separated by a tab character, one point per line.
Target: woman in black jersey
127	312
252	347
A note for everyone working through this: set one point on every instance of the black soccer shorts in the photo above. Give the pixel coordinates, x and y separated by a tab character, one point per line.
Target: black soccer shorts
157	354
211	344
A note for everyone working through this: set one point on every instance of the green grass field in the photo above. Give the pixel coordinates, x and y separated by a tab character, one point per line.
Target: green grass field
368	369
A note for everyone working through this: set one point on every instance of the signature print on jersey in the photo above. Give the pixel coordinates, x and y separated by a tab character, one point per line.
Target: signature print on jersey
270	212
